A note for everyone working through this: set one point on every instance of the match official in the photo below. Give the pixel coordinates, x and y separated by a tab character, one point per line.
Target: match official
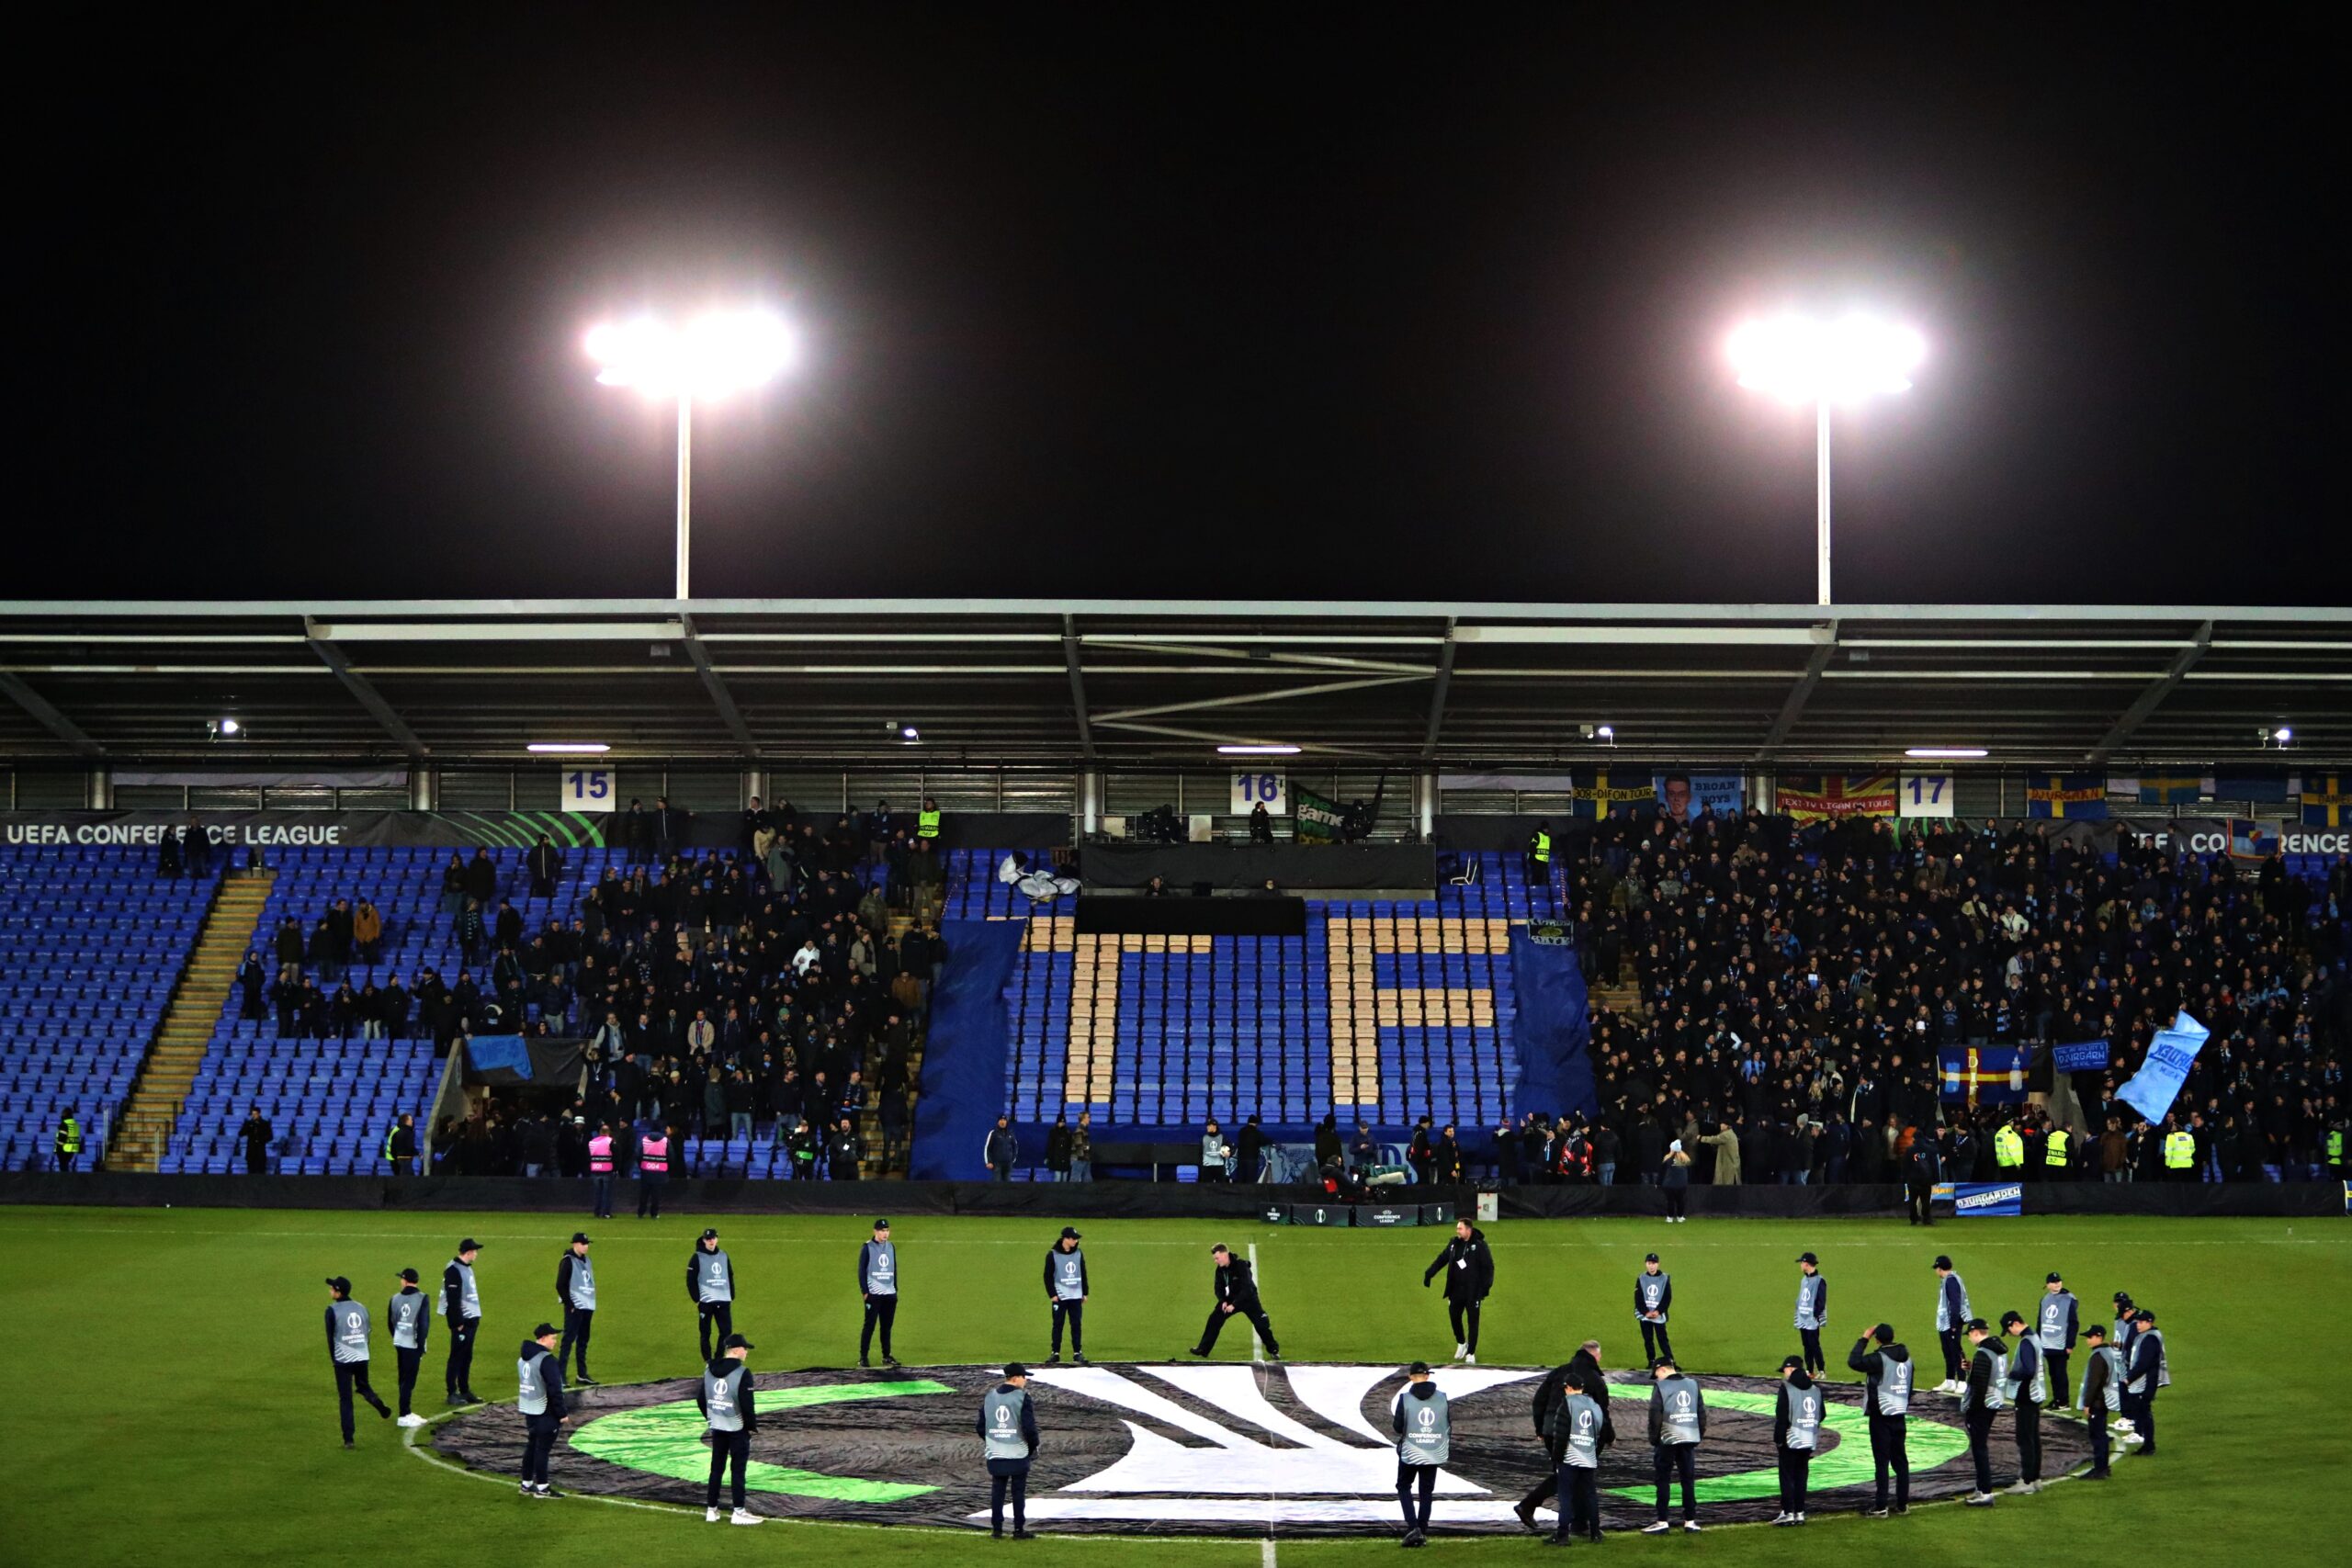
2102	1389
1468	1265
2028	1391
1580	1373
1980	1401
1812	1312
1424	1427
877	1285
539	1396
1066	1289
1796	1432
2057	1326
730	1407
1952	1322
710	1285
410	1315
347	1329
1886	1398
1653	1295
1008	1429
461	1304
575	1287
1237	1292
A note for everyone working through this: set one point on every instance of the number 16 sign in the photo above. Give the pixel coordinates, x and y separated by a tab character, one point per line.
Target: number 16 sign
1253	790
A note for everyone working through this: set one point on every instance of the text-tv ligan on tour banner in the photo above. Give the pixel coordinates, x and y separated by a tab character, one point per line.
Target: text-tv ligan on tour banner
1818	797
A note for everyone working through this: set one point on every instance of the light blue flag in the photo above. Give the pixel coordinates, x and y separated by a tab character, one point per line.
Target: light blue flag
2157	1083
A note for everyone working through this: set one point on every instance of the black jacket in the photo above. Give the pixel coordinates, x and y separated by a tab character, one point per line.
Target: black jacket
1581	1374
1028	1417
1980	1378
549	1372
563	1277
1658	1417
1083	1288
1469	1266
1780	1408
2099	1397
1872	1365
1235	1283
719	1369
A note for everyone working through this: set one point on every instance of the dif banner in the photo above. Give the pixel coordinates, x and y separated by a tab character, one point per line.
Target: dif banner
1978	1199
231	831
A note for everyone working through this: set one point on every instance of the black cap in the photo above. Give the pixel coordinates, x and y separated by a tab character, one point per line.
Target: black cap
736	1342
1793	1363
1069	1233
2123	1298
1976	1323
470	1245
1808	1258
1651	1259
1418	1369
1014	1369
409	1275
2009	1317
580	1235
2052	1279
1883	1333
2095	1331
881	1224
1943	1261
340	1283
2143	1316
710	1233
1662	1361
545	1329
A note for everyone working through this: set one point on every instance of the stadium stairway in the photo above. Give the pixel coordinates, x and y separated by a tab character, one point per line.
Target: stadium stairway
1622	994
198	996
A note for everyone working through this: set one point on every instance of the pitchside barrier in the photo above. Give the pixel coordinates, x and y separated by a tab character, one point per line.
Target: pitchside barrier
1127	1200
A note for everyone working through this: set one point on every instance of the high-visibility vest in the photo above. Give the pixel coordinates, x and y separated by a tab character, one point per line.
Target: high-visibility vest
927	822
1543	849
69	1136
600	1155
2056	1153
653	1156
2336	1146
388	1139
2009	1149
2180	1151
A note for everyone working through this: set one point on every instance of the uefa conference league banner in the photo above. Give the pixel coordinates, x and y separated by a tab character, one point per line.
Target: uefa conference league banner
233	832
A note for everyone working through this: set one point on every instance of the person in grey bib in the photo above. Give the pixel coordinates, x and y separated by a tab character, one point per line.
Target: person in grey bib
1007	1428
575	1288
1653	1298
2026	1390
1424	1429
1577	1430
538	1378
710	1285
1677	1425
1952	1322
1981	1399
1888	1373
410	1315
2056	1321
1796	1433
1812	1312
730	1407
461	1304
1066	1288
2148	1371
877	1285
2102	1391
347	1328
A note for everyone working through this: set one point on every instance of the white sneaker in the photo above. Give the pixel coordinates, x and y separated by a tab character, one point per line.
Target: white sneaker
2133	1439
1656	1527
1784	1519
1469	1361
1980	1499
1800	1518
710	1515
745	1516
411	1420
1460	1351
1691	1526
2019	1489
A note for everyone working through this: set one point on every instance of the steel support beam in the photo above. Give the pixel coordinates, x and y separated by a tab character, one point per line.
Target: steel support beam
368	697
2154	694
720	697
1793	706
1437	692
56	722
1243	698
1076	685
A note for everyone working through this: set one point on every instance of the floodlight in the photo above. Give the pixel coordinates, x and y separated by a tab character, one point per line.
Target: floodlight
568	748
1258	751
1946	753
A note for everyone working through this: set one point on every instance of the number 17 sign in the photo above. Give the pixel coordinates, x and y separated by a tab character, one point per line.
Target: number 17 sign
1925	795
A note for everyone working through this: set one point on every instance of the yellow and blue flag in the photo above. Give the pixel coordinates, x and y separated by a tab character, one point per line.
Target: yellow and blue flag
1984	1075
2078	797
2326	803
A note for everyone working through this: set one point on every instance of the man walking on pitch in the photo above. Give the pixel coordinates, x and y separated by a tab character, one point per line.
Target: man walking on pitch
877	1284
539	1396
1468	1264
1653	1296
1580	1373
347	1349
730	1410
461	1304
1886	1398
1981	1398
1424	1429
575	1288
1066	1289
410	1315
1812	1312
1796	1432
2028	1391
1008	1429
2102	1387
1237	1292
2055	1327
710	1285
1577	1430
1952	1319
1677	1425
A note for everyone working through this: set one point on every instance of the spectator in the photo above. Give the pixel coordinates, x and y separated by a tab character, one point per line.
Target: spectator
367	931
545	864
255	1135
253	982
1003	1148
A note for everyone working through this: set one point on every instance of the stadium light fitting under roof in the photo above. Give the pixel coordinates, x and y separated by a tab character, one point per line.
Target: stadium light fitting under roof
1947	753
1806	361
1257	750
568	748
725	351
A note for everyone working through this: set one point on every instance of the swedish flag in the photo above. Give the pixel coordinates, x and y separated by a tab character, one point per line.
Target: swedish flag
1603	792
2076	796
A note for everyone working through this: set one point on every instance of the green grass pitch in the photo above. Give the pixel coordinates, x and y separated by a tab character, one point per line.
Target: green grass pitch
165	1398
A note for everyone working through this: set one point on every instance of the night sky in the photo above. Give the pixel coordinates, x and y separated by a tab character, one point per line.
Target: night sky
1325	302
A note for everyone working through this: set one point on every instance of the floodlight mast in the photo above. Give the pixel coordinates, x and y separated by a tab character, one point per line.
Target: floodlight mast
1805	361
716	354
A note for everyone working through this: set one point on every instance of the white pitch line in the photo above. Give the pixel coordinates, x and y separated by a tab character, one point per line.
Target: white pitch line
1258	1354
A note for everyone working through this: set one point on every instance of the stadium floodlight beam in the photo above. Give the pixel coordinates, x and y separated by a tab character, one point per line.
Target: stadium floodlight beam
722	352
1823	363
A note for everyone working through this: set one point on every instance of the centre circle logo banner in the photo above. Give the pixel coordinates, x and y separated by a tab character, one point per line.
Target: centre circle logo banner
1201	1447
